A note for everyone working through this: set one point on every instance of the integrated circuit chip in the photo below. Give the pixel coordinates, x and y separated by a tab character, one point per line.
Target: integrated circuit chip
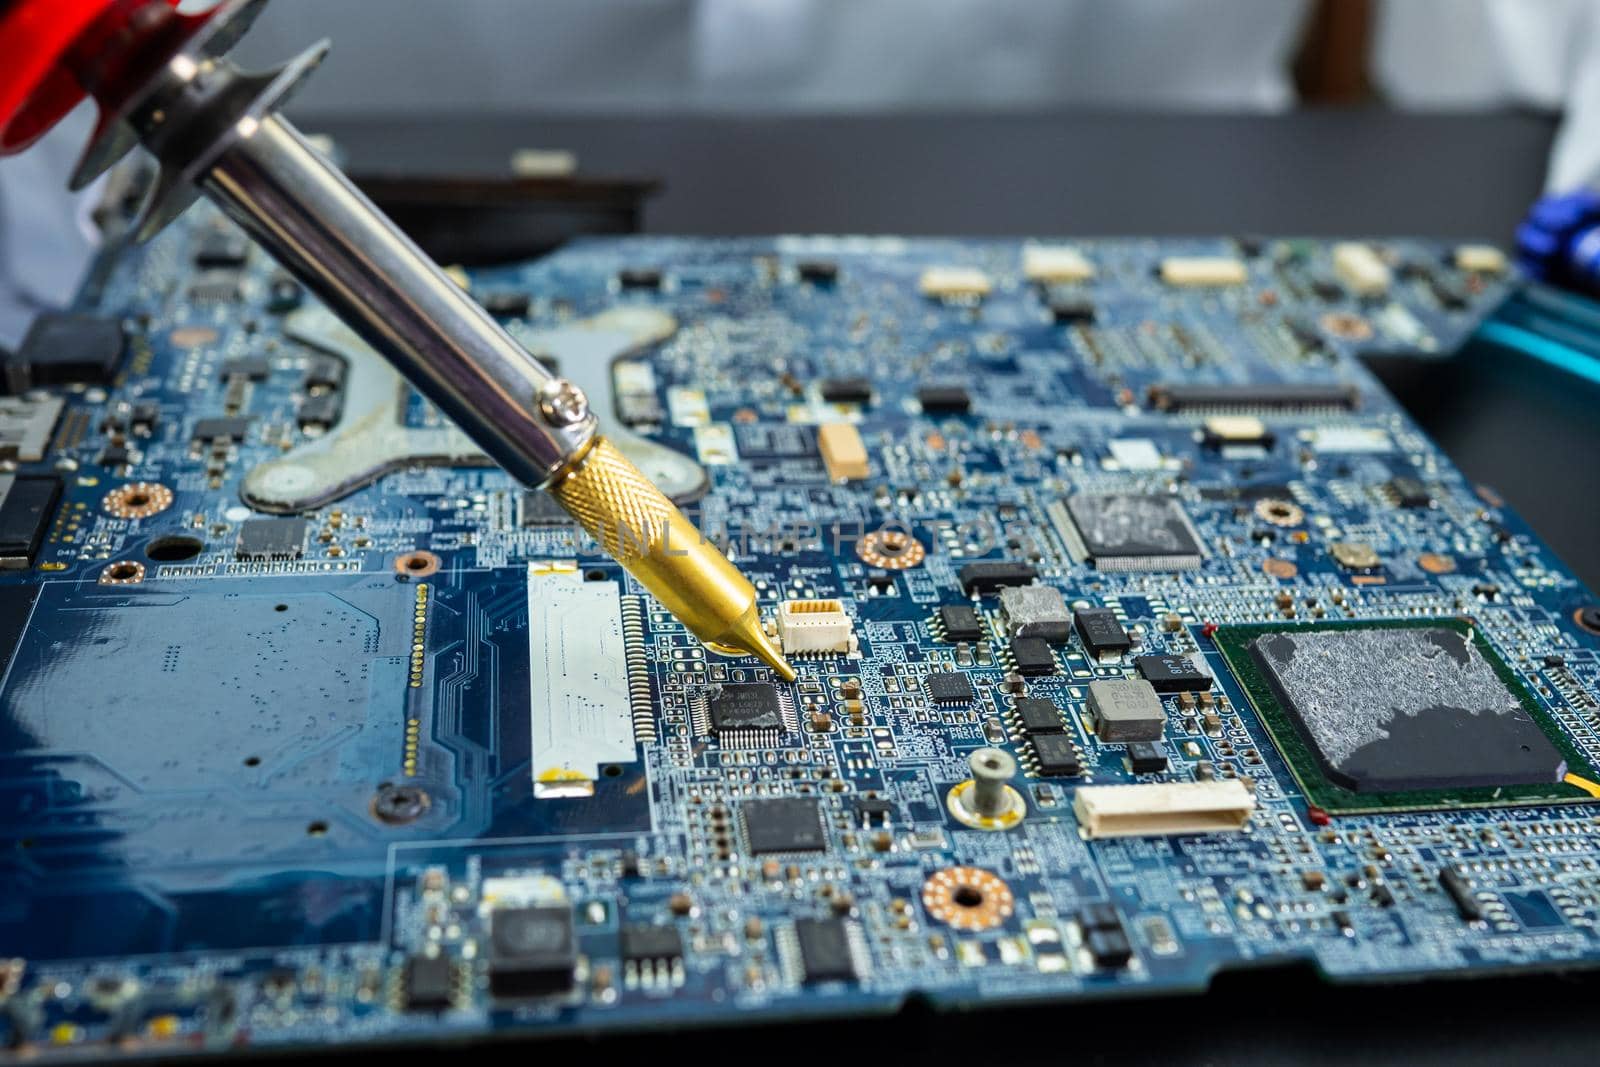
265	539
27	504
429	983
745	707
944	399
988	576
1128	532
1037	716
1101	632
1147	757
62	347
650	943
960	622
825	952
949	687
1172	674
1055	756
1032	656
784	824
1382	715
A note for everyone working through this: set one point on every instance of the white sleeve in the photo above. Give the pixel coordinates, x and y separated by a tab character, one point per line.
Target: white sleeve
1462	54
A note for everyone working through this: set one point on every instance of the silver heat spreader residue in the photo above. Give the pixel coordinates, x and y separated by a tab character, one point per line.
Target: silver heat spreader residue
1350	685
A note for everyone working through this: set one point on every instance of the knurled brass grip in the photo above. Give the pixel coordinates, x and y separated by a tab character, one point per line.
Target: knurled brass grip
645	532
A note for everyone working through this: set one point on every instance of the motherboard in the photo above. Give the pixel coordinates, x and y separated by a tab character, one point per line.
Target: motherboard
1140	636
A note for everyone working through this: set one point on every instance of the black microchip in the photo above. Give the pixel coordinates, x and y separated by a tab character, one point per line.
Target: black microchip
825	954
506	303
271	539
1105	936
874	810
16	605
1403	709
1100	631
113	456
944	399
323	372
1101	915
1110	949
532	951
320	411
1055	755
1036	716
785	824
26	506
146	416
64	346
1032	656
649	942
1147	757
429	983
1459	890
846	390
745	706
539	508
1130	532
1071	308
1409	492
639	278
222	249
256	368
950	687
987	577
1172	674
222	428
817	271
960	622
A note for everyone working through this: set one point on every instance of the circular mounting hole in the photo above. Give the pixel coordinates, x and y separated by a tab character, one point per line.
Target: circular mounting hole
317	829
122	571
136	500
252	761
967	896
418	564
612	770
174	548
280	607
595	575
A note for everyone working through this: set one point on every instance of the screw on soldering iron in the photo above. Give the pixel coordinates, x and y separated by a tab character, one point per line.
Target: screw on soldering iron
562	403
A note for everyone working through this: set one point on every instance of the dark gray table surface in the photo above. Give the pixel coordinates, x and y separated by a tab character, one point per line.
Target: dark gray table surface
1332	173
1315	173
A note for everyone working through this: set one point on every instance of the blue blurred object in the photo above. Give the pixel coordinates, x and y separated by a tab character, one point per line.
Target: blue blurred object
1559	241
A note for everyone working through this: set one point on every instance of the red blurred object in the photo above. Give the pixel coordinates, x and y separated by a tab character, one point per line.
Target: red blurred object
53	53
1318	816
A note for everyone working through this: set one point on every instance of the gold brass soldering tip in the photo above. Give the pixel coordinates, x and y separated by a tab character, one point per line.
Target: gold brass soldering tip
645	532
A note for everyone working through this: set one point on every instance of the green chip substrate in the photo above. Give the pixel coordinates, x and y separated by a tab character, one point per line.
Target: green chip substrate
1404	715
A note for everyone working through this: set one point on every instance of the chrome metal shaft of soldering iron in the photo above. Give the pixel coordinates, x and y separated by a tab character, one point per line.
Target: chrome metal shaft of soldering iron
319	226
538	427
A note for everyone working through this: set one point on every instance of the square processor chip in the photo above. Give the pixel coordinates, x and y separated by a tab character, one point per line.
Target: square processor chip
1390	715
1128	532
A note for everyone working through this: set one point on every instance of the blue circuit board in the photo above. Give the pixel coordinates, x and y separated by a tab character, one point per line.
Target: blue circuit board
315	728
